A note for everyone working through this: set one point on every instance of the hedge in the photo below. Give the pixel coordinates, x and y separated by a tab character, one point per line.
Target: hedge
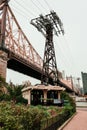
20	117
58	120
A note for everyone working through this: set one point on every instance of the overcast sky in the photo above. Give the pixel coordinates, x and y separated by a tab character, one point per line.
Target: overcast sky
71	49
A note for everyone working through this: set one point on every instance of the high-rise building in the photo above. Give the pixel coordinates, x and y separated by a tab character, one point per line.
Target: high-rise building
84	81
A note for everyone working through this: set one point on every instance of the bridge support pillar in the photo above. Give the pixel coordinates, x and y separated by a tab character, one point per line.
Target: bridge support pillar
3	64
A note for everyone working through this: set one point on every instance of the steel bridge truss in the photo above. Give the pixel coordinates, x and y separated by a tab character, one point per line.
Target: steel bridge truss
12	38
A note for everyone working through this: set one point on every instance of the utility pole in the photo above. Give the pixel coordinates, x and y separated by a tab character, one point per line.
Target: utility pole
48	25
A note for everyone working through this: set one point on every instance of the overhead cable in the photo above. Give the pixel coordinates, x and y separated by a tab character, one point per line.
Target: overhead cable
48	5
25	9
36	6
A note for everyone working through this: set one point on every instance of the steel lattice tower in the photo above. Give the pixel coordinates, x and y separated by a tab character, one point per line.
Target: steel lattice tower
48	25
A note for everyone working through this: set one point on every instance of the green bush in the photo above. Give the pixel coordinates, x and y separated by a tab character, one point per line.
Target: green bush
61	117
9	119
2	80
20	117
70	101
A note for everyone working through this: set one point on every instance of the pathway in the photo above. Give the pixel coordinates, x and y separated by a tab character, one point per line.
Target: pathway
79	122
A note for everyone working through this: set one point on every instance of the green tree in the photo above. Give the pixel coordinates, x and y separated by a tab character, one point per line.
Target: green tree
10	92
15	94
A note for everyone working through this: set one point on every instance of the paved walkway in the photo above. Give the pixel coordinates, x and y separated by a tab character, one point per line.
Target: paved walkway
79	121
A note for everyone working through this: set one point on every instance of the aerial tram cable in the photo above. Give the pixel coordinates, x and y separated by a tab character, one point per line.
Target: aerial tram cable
64	55
48	5
42	5
36	6
60	57
19	11
25	9
71	56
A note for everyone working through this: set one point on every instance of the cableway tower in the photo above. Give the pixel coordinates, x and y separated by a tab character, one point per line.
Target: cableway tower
48	25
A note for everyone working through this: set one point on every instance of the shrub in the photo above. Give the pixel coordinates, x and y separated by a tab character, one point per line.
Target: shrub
19	117
71	102
9	119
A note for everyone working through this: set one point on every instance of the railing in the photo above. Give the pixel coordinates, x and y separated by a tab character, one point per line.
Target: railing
48	102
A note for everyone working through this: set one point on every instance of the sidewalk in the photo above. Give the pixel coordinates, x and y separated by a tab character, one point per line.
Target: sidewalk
79	121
